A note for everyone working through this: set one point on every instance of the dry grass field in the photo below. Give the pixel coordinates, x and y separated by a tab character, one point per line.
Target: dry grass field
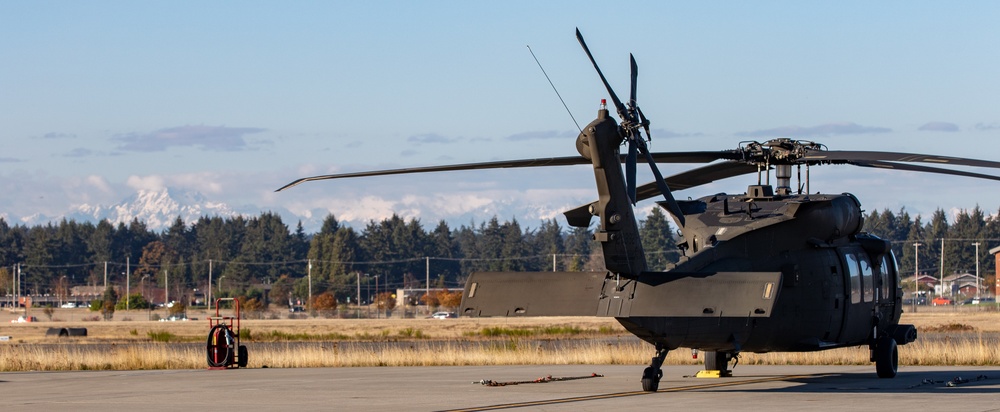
948	336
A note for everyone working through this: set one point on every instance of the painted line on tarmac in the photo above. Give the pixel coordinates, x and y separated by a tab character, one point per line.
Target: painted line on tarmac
633	393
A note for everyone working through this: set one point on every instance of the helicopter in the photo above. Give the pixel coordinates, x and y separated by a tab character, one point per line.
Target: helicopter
774	269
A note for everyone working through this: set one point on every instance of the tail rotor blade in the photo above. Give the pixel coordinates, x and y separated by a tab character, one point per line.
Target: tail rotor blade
635	74
614	97
630	171
672	205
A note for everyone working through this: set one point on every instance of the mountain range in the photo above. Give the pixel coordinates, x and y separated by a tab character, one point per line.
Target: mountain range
159	208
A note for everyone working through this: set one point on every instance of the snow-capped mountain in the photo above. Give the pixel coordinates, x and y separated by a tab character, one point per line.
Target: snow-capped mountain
157	208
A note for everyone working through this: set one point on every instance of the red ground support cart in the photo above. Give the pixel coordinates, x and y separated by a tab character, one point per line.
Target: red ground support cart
224	349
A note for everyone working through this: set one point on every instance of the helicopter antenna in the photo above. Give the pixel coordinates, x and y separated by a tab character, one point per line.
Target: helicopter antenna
555	90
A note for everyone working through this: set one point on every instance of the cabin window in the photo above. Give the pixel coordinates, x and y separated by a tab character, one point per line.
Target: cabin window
855	275
867	278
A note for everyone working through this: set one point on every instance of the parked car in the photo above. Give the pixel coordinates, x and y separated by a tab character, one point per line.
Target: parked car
68	305
444	315
175	318
942	301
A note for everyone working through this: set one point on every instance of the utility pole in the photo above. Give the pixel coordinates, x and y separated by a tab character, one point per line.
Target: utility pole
208	294
358	274
166	280
309	270
916	274
128	278
942	267
978	284
427	291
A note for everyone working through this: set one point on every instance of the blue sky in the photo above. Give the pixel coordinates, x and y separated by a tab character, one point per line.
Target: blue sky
235	99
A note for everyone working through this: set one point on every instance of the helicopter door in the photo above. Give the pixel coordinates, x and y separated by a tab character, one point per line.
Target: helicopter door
888	291
860	287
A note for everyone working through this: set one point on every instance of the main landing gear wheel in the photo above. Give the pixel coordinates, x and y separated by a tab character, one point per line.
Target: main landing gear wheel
651	379
717	361
651	375
886	357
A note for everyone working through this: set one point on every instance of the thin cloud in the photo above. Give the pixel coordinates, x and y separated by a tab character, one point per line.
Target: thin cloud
664	133
10	160
55	135
217	138
431	138
541	135
79	152
987	126
939	127
829	129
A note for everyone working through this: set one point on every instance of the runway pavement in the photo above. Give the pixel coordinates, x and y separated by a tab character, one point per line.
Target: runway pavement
753	388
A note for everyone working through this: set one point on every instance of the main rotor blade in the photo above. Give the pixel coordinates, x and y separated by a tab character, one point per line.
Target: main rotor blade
696	177
614	97
695	157
662	157
547	161
580	216
835	156
917	168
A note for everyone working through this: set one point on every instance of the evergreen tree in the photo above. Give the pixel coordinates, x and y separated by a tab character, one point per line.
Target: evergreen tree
514	249
99	248
578	247
548	240
37	273
907	253
934	232
658	241
442	245
345	251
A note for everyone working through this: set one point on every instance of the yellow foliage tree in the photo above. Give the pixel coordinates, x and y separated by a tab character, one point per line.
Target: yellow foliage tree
450	299
325	303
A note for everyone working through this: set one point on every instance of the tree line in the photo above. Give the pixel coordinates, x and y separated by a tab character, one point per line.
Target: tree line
958	239
245	253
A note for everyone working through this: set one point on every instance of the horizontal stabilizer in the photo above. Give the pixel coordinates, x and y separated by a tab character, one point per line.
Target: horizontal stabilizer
532	294
719	294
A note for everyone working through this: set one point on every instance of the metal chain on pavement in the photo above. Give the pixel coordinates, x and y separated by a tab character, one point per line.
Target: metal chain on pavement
545	379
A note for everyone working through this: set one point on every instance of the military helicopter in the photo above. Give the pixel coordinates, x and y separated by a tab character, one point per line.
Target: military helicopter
775	268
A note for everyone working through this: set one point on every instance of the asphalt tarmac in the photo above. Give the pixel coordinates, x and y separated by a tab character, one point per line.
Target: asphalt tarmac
753	388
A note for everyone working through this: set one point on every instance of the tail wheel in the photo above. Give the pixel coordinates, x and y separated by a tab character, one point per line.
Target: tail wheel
886	357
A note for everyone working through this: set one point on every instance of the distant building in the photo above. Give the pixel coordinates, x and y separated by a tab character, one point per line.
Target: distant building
961	284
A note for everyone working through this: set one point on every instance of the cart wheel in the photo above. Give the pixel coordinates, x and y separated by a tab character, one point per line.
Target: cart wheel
242	361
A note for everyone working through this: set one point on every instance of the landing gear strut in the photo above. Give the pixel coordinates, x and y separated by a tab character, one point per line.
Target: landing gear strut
652	374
